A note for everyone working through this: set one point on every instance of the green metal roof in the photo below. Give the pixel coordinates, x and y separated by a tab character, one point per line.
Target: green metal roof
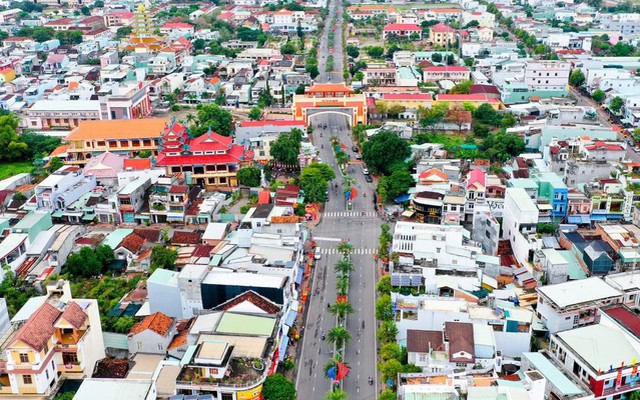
115	237
164	277
243	324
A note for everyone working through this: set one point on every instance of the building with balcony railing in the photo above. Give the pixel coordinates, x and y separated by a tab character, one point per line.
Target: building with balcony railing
62	338
608	200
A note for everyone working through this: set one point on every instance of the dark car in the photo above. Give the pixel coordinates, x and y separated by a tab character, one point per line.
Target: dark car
358	157
355	149
368	178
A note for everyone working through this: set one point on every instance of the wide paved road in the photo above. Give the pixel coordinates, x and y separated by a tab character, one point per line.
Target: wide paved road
361	227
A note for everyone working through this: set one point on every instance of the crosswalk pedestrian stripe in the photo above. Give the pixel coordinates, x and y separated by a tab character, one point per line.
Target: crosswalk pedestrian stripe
347	214
355	251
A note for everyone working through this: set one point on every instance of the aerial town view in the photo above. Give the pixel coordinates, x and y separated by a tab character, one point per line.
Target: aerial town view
320	199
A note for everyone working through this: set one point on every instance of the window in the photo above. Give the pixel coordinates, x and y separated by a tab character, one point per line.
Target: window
160	347
46	373
27	379
463	365
423	357
139	345
24	358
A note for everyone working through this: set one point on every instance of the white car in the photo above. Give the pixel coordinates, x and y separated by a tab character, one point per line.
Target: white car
319	160
365	171
317	253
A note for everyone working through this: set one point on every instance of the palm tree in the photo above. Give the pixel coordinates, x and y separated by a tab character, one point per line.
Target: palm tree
345	248
348	181
342	158
336	395
338	336
341	309
342	286
344	266
190	118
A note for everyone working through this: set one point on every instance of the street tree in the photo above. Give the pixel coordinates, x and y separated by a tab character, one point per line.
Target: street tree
616	104
341	309
339	336
390	351
577	78
396	184
387	332
249	176
598	96
384	308
387	395
277	387
314	181
344	266
345	248
336	395
383	150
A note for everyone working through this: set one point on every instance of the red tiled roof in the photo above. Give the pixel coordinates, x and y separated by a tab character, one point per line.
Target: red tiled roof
177	25
74	315
419	341
202	250
157	322
133	242
442	28
38	329
179	189
484	89
184	237
462	97
402	27
460	336
252	297
407	96
301	124
604	146
152	235
234	155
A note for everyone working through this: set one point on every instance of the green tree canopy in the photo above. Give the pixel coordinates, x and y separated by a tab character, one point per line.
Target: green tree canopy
598	96
463	87
249	176
314	181
384	309
616	104
163	257
84	263
375	51
211	116
383	150
436	57
55	163
13	148
277	387
255	114
577	78
396	184
502	146
286	148
352	51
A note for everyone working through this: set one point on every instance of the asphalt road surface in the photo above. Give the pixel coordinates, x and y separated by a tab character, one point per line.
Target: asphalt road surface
361	227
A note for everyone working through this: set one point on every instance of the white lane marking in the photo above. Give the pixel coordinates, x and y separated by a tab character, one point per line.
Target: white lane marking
316	238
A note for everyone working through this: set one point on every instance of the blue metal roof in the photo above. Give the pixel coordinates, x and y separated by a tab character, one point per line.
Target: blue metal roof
553	374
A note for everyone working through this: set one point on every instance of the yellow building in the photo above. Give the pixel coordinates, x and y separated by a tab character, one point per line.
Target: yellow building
441	34
475	99
60	339
7	75
324	98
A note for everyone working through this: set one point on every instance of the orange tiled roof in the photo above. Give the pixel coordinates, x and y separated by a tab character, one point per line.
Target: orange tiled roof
137	163
157	322
59	150
38	329
133	242
123	129
74	315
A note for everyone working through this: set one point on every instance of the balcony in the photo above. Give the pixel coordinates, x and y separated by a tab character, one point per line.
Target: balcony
621	389
69	340
74	367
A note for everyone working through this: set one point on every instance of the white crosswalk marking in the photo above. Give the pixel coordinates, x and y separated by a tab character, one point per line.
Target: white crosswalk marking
349	214
356	251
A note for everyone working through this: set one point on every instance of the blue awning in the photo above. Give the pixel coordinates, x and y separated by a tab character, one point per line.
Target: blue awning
598	217
586	220
574	220
300	275
614	216
291	318
544	219
283	348
403	198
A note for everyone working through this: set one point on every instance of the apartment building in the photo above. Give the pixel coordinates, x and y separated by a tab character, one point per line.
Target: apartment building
62	188
442	35
547	75
520	221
